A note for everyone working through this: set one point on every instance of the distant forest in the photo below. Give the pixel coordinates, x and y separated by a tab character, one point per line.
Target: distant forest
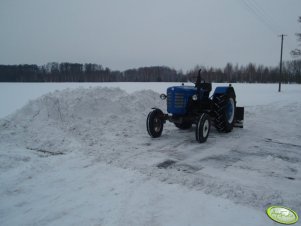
75	72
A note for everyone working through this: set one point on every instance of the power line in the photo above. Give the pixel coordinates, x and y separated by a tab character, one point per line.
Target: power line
259	15
271	20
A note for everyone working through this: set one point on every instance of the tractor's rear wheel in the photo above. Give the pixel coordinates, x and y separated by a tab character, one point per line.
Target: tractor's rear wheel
224	111
154	123
202	128
183	125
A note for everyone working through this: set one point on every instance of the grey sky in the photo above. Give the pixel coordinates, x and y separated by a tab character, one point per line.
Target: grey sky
122	34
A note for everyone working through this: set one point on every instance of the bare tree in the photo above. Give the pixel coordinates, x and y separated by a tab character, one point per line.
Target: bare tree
297	52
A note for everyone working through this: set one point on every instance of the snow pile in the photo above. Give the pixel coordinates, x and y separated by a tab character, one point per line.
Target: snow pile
46	124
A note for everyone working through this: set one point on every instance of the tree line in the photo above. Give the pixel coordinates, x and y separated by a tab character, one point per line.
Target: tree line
251	73
76	72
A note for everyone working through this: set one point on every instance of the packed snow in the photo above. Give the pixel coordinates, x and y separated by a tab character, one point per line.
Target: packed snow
82	156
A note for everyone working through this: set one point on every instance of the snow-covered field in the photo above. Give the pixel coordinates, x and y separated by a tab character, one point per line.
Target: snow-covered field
82	156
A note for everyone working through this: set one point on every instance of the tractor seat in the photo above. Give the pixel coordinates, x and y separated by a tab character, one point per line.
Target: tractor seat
207	87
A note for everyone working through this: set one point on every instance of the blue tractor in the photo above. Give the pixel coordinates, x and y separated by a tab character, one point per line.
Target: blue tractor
189	105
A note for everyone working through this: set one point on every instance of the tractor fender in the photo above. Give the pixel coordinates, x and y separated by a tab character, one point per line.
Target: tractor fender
223	90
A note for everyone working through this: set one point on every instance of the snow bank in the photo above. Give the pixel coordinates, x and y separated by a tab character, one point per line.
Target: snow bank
20	93
47	122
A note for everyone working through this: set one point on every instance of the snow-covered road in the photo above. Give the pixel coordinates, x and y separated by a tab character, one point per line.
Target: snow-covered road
82	156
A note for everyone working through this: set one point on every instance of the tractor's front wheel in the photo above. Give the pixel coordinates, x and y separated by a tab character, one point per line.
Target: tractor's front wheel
202	128
154	123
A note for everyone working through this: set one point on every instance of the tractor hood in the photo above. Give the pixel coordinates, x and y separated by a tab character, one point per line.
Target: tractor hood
182	89
178	97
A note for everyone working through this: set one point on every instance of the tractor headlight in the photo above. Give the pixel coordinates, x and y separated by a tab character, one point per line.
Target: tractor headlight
163	96
194	97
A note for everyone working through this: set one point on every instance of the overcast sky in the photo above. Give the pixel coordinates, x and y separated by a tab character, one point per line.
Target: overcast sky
123	34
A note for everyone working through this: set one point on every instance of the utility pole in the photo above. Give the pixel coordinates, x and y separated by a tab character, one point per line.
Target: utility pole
279	88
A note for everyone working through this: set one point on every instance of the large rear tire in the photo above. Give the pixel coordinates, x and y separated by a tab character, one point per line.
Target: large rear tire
224	110
202	128
154	123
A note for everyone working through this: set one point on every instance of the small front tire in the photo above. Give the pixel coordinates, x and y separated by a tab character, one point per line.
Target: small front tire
154	123
202	128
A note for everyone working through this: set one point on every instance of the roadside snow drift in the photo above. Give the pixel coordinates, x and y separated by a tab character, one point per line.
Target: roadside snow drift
63	121
257	166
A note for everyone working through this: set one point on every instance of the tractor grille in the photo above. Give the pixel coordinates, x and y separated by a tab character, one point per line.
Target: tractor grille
179	100
169	100
176	101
